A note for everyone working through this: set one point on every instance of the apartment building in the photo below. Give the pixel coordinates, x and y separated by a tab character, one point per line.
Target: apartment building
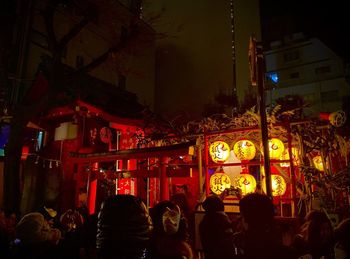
308	68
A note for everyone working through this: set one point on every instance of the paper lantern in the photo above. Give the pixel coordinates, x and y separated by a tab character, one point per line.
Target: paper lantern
337	119
219	182
278	185
66	130
276	148
285	156
317	160
245	182
219	151
244	150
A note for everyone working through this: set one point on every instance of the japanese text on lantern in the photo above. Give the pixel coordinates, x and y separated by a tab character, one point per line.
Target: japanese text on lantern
219	182
219	151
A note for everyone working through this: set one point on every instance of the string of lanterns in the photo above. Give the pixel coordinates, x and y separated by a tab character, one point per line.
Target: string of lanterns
245	150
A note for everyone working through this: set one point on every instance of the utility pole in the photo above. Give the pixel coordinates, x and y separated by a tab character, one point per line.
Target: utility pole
234	80
257	71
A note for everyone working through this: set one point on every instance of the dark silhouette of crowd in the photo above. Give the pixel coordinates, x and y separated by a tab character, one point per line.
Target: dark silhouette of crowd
256	233
316	237
170	236
216	230
124	228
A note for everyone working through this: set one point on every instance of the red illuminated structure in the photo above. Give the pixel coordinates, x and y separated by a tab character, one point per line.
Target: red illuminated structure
92	154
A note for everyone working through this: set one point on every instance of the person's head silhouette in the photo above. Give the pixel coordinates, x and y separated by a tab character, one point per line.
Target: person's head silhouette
257	210
123	225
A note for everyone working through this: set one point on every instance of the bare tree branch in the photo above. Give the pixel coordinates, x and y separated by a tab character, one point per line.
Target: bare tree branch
75	31
48	14
122	44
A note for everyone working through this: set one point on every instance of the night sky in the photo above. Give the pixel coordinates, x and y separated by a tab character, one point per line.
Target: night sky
326	20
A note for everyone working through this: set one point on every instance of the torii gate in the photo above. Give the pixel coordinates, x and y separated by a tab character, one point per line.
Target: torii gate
163	153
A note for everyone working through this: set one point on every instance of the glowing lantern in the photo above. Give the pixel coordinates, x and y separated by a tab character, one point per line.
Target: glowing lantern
219	182
337	118
318	163
245	182
285	156
244	150
276	148
278	185
219	151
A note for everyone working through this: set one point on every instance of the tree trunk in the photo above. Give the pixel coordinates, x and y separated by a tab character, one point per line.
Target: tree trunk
58	83
13	152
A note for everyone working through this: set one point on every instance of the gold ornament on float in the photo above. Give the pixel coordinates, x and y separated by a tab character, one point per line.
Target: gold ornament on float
244	149
245	182
276	148
317	160
219	182
219	151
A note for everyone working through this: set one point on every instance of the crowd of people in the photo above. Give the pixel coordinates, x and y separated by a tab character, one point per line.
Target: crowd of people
44	234
124	228
256	234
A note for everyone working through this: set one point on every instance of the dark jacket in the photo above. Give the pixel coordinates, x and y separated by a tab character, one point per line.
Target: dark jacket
261	245
216	235
316	251
123	227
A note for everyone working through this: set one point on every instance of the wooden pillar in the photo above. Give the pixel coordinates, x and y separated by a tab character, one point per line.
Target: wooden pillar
292	168
206	156
260	73
164	184
200	168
